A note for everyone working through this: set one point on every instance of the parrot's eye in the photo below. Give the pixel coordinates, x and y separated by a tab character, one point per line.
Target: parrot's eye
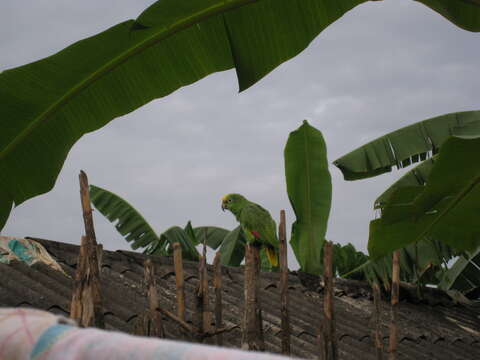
229	200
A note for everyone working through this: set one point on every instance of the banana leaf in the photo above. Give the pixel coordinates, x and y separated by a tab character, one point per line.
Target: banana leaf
463	13
130	224
309	188
232	249
346	258
213	235
48	105
171	236
444	209
423	262
418	176
407	145
464	275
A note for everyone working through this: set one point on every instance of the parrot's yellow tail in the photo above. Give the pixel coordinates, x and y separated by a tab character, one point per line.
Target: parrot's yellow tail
272	256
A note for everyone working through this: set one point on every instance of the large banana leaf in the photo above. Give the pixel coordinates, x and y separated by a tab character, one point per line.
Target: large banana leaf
464	275
407	145
130	223
444	209
49	104
418	176
309	188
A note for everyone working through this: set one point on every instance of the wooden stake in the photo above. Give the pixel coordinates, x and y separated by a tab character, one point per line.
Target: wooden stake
329	336
393	340
179	280
153	320
377	333
87	210
282	234
86	306
203	309
251	336
207	314
217	283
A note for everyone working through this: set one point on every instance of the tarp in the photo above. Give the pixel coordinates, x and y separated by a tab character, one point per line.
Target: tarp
26	250
38	335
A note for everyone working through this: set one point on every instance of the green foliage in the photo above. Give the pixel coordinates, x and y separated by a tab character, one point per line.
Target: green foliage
171	236
416	177
212	235
309	188
464	275
130	224
463	13
49	104
346	258
135	229
232	250
444	209
422	263
407	145
53	102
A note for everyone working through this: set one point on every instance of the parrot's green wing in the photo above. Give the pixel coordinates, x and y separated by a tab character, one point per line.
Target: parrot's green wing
258	224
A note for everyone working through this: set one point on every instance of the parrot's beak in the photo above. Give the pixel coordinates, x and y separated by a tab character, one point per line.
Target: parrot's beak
224	206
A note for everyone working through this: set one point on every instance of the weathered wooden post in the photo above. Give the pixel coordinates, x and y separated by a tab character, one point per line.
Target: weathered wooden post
86	306
393	338
282	235
329	341
179	280
217	283
377	333
252	327
152	323
203	307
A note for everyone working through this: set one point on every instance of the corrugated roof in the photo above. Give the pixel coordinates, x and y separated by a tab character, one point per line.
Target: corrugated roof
433	328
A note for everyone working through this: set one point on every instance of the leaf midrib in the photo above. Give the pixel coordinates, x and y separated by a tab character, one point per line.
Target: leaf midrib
308	190
227	5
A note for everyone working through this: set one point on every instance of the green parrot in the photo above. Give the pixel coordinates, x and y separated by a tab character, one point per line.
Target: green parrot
256	222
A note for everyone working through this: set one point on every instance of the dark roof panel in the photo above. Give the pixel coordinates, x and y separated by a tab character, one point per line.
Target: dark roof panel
429	328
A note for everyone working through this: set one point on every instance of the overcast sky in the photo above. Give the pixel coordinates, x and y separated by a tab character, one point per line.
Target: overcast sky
382	66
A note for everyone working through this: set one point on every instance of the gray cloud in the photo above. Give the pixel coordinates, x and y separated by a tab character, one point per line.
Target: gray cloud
382	66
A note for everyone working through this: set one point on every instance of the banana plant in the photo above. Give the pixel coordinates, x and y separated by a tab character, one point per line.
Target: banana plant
136	230
54	101
429	213
309	188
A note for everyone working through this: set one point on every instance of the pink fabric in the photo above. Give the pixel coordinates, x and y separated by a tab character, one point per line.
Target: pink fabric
37	335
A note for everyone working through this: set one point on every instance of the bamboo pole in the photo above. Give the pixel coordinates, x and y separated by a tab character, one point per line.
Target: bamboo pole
179	280
86	305
251	326
217	283
377	334
153	320
393	338
282	234
329	337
